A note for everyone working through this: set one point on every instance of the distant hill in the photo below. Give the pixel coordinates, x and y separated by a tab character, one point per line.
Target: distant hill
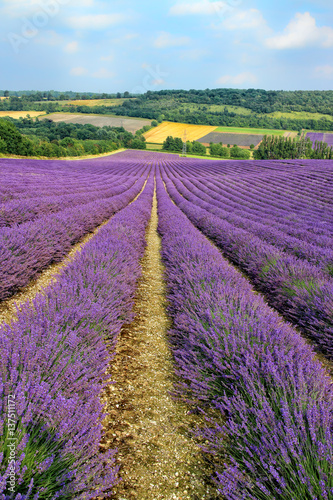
311	110
252	108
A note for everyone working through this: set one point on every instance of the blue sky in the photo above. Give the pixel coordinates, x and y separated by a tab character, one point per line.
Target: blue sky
110	46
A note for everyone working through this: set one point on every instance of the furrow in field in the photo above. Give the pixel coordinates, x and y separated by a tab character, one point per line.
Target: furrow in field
55	356
235	354
158	458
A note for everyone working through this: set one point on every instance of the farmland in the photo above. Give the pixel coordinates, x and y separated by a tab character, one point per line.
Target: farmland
173	335
206	134
252	108
21	114
165	129
130	124
260	131
93	102
328	138
225	138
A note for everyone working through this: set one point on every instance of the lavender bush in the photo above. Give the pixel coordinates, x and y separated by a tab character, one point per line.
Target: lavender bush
297	288
273	420
54	360
27	249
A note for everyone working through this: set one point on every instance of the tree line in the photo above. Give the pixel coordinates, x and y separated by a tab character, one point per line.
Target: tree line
175	144
179	113
53	95
175	106
257	100
26	137
276	148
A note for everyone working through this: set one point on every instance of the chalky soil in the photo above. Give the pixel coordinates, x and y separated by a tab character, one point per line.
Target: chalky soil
157	455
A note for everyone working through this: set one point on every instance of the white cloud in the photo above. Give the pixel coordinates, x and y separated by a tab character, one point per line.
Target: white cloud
302	31
78	71
49	37
17	8
193	54
202	8
165	40
103	73
240	79
125	38
109	58
95	22
71	47
325	71
245	20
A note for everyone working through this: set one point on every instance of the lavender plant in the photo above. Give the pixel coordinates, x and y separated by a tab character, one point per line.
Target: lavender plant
272	425
54	359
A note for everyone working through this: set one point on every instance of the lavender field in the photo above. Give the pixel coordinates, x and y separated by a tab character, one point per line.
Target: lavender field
319	136
247	254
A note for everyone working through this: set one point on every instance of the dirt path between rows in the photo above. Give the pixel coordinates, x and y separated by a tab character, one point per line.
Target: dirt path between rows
157	455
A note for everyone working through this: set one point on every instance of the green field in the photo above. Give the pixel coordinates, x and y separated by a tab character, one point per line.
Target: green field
216	108
238	110
153	146
259	131
300	115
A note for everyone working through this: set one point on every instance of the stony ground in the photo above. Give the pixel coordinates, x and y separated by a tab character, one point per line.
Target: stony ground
158	456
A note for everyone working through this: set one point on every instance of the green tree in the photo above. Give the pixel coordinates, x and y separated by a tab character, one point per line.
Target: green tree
198	148
169	143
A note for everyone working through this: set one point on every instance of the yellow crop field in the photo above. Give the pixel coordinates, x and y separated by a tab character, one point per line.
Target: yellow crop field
157	135
21	114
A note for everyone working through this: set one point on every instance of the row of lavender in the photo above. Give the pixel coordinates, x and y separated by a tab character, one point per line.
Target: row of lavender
314	246
53	365
295	274
299	196
26	179
320	136
271	430
28	248
291	193
28	192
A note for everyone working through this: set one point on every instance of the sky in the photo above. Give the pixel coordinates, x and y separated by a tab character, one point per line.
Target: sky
136	46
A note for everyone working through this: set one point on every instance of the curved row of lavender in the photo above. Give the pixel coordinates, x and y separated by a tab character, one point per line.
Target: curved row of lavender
54	361
30	192
19	211
29	248
273	420
299	241
295	274
26	179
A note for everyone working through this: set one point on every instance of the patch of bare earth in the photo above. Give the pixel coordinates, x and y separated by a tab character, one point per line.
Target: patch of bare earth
157	455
